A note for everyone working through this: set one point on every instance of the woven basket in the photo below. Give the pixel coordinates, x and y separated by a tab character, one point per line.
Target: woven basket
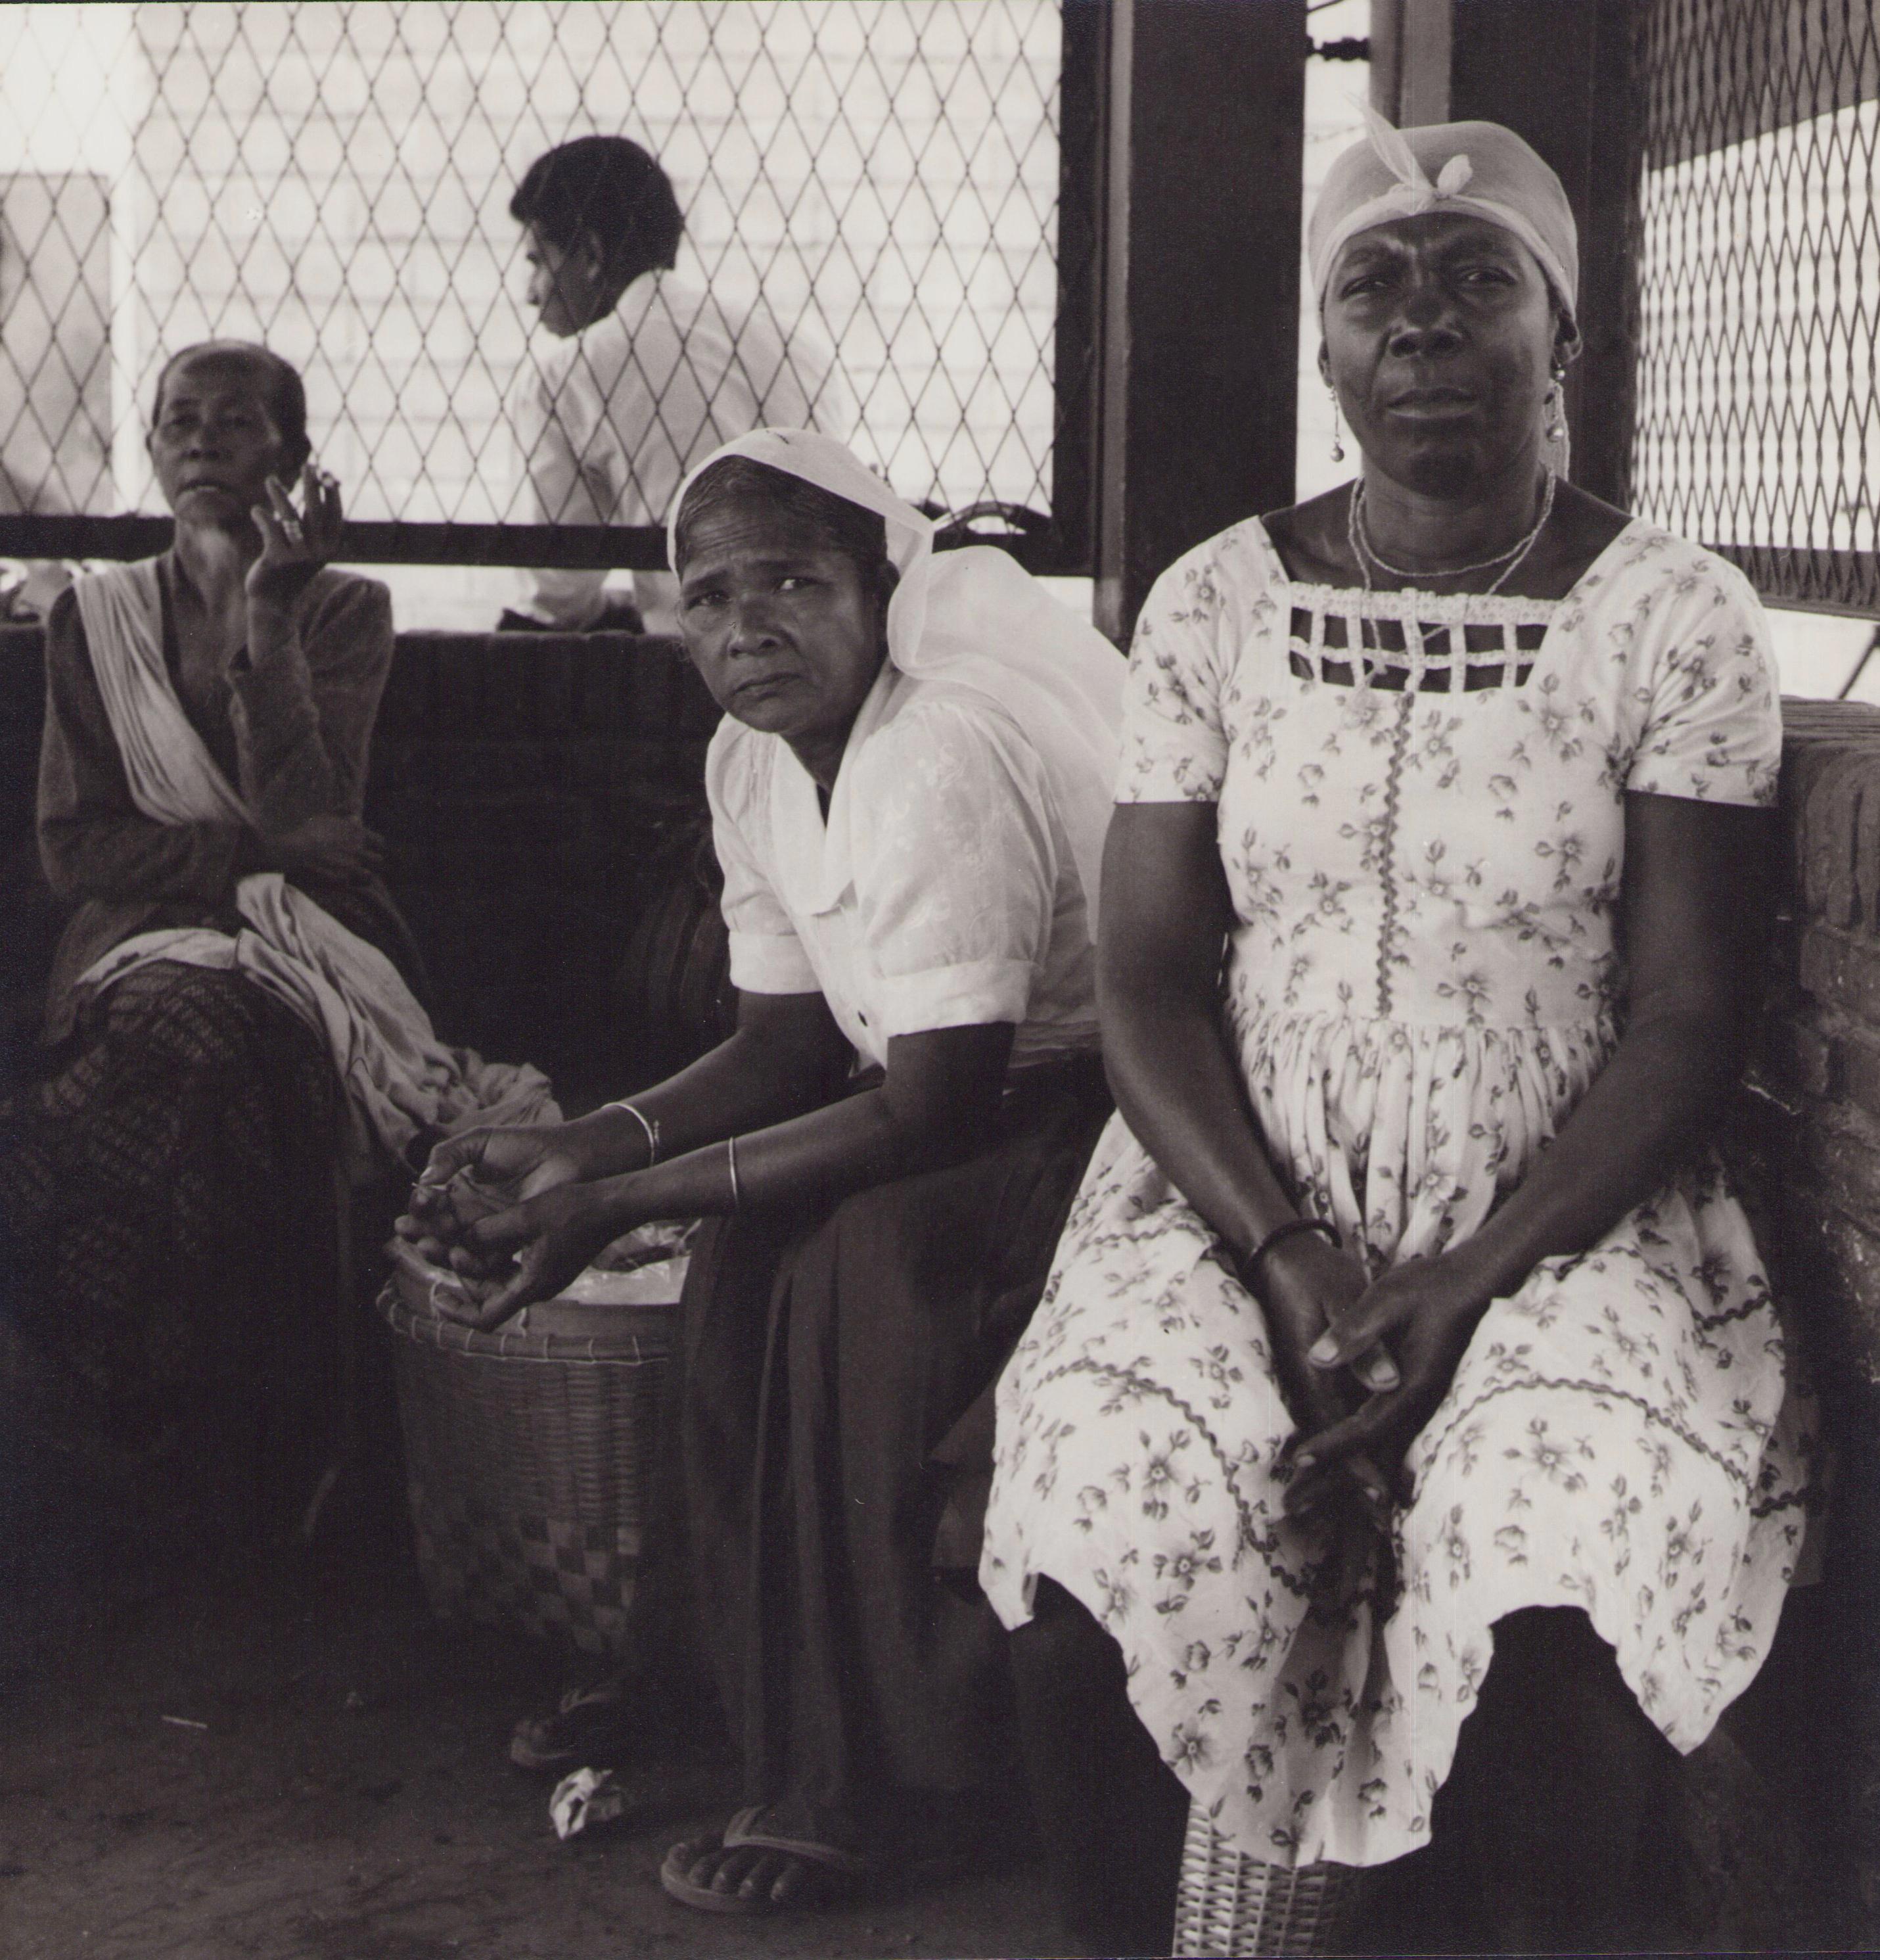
529	1457
1229	1904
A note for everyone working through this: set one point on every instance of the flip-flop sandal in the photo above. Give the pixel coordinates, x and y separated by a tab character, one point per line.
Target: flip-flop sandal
590	1730
742	1831
740	1834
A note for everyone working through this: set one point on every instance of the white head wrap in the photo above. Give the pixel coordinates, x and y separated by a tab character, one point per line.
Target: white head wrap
976	618
1479	168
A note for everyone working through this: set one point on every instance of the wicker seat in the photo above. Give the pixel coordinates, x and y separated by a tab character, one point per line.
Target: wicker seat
1227	1903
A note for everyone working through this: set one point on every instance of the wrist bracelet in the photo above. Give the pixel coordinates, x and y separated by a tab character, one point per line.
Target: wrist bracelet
1291	1229
649	1123
731	1166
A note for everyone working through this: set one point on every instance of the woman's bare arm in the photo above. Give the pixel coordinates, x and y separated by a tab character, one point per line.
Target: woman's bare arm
936	1104
1166	914
1165	918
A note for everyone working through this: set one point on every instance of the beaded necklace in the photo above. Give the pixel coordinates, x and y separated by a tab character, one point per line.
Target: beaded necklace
1358	535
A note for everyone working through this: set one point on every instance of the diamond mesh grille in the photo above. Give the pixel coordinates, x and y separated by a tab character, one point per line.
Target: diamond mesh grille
1758	423
879	177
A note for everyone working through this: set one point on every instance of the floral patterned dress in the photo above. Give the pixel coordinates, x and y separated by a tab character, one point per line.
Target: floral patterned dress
1424	849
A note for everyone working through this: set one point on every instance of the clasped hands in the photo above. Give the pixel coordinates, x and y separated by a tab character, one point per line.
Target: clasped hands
513	1214
1397	1339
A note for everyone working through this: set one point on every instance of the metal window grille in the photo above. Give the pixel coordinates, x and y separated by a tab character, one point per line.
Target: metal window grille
875	183
1758	420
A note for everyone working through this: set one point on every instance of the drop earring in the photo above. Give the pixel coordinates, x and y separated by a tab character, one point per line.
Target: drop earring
1556	407
1337	438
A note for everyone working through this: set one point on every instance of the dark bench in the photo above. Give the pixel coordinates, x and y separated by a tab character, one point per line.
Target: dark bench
542	799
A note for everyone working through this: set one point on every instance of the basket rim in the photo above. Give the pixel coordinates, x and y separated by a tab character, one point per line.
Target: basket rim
635	1336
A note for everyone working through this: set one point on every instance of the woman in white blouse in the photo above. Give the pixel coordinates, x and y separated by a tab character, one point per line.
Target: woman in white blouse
908	794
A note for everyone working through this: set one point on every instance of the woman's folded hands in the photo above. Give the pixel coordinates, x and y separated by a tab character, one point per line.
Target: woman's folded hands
1426	1310
1306	1287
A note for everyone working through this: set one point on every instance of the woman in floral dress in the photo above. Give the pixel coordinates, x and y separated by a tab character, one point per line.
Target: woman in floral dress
1407	1424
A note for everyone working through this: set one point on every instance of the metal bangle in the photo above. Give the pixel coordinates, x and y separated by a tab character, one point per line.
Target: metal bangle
1249	1266
731	1166
649	1123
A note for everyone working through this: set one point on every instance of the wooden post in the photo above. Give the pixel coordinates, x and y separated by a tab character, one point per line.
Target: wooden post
1412	50
1080	188
1558	73
1204	130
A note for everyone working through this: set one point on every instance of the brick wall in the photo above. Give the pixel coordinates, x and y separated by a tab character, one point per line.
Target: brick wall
1812	1113
1808	1143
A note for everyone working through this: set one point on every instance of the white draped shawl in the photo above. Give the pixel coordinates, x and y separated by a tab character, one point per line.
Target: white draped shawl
401	1081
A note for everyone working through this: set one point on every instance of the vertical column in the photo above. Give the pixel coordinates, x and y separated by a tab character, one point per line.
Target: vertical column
1205	115
1559	73
1081	126
1411	51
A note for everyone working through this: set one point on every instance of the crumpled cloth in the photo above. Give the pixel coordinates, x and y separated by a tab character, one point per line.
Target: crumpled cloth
402	1083
584	1797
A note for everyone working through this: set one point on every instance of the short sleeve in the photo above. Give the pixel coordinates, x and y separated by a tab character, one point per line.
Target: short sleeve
1174	743
767	956
955	870
1712	719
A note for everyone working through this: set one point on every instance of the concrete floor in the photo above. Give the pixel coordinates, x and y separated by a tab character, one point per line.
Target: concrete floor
306	1766
300	1764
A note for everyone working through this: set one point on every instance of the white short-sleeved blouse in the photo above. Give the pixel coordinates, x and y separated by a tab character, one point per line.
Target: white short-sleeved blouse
942	891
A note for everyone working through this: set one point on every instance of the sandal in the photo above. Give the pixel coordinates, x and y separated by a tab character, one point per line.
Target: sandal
592	1729
848	1868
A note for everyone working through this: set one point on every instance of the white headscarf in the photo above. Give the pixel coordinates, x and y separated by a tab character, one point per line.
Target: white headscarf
1478	167
976	619
1481	169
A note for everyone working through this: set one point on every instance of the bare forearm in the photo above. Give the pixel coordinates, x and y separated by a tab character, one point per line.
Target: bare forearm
813	1159
744	1083
1645	1113
1178	1089
939	1101
1166	917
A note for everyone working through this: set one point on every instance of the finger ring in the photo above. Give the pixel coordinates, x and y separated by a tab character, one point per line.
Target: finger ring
292	527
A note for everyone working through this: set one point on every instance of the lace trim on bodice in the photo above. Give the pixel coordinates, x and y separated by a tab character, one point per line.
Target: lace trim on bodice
1411	643
1415	642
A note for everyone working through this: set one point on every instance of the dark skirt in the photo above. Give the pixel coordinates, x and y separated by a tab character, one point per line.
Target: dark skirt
171	1204
836	1420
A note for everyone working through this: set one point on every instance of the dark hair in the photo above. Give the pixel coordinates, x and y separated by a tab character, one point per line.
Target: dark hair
837	524
607	186
286	393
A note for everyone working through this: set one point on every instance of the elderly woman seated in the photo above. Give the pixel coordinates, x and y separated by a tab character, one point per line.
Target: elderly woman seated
908	795
1407	1449
172	1184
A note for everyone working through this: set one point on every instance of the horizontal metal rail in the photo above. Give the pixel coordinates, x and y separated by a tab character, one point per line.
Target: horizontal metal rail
563	547
1811	581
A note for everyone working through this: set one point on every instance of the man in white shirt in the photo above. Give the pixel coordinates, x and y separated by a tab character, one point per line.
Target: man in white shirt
651	375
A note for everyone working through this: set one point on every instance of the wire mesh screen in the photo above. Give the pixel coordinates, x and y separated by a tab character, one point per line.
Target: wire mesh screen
1758	417
871	186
